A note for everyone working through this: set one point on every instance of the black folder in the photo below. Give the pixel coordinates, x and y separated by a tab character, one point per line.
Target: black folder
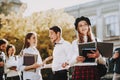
85	51
106	49
29	59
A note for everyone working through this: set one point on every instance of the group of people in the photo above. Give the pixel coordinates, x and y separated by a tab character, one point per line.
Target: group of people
64	55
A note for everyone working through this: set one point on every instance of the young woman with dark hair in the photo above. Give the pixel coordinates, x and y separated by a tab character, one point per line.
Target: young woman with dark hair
11	65
31	72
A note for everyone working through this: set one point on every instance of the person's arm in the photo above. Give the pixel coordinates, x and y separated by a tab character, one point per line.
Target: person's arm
114	57
69	54
101	60
96	54
2	59
47	59
34	66
10	65
1	63
76	58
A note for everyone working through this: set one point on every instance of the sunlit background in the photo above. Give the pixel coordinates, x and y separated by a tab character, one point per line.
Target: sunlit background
18	17
43	5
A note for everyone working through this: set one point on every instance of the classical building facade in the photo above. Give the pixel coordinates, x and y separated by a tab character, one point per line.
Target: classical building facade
104	16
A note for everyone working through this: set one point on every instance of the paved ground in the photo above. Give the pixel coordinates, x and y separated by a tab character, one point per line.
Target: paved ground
108	76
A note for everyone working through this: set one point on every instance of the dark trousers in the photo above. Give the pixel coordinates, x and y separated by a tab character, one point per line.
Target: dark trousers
13	78
1	77
60	75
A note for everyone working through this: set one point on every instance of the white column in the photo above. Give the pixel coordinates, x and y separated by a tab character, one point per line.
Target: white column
99	24
119	19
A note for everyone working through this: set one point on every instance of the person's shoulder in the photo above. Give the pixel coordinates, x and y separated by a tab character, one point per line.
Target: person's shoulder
25	50
66	42
75	41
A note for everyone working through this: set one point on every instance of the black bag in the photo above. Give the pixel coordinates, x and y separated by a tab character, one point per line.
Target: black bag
102	69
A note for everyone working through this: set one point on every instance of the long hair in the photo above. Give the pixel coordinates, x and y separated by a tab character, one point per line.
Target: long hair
28	36
8	47
90	37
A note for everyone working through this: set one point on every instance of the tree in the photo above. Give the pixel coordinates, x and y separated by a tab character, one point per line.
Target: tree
6	6
15	27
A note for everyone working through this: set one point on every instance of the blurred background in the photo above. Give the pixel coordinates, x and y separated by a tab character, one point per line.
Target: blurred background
17	17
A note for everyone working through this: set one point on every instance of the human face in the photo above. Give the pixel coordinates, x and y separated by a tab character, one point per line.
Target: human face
54	37
11	51
83	27
3	47
33	40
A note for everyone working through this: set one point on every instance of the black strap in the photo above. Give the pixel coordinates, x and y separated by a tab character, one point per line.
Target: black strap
22	75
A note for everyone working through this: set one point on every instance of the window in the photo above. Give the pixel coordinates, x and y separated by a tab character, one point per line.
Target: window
112	26
93	20
93	24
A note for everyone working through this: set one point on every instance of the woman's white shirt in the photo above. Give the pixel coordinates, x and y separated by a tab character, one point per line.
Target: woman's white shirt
76	53
29	74
12	61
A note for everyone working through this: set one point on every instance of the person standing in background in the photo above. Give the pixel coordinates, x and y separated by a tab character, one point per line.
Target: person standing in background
116	60
3	45
61	54
11	64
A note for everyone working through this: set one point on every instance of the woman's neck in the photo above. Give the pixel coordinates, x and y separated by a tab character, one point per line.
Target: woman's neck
85	38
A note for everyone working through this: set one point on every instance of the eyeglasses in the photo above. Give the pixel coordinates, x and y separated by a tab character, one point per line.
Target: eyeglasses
85	25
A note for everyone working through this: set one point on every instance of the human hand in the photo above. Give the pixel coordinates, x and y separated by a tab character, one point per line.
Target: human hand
80	59
35	65
13	68
65	64
1	64
94	54
115	55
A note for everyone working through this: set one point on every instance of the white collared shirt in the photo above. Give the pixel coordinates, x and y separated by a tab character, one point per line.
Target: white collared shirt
61	54
76	53
12	61
29	74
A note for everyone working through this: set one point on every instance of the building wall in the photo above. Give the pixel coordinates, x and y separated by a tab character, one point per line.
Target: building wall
104	14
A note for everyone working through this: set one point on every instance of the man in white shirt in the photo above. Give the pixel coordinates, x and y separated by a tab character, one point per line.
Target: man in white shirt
3	45
61	54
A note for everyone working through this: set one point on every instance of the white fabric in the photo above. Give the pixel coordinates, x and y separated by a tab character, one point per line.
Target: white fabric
85	64
76	53
85	39
2	55
29	74
61	54
12	61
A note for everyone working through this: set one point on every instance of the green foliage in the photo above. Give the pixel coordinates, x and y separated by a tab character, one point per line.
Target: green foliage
14	27
6	6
